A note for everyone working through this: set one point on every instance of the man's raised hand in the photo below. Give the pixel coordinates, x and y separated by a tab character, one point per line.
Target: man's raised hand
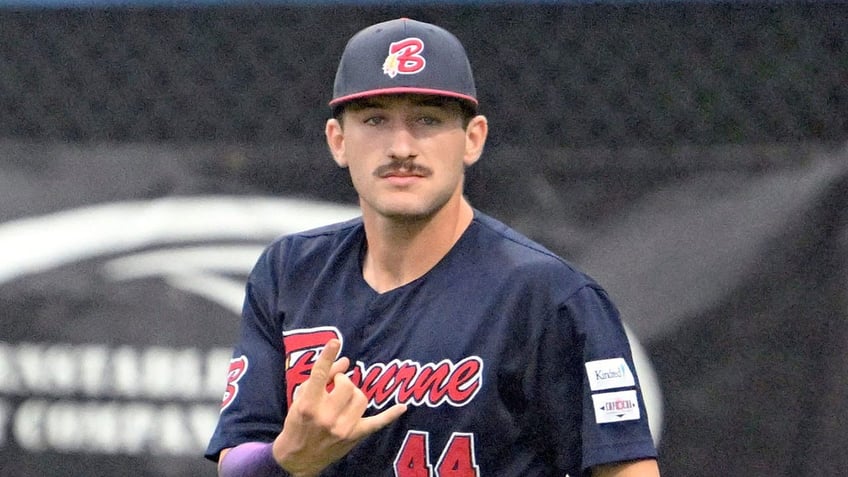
323	424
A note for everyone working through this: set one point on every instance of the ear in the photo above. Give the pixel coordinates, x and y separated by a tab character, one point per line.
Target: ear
335	140
475	139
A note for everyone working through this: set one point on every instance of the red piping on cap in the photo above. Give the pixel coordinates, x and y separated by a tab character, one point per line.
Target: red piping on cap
403	90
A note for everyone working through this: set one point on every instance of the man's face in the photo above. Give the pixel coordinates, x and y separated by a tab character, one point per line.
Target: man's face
406	153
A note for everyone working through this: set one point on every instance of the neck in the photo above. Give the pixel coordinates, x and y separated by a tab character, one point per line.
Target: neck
402	250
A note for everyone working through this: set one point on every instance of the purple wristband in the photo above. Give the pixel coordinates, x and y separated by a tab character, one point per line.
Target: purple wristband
252	459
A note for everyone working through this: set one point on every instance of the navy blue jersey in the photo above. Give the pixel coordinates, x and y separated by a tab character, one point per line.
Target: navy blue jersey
512	362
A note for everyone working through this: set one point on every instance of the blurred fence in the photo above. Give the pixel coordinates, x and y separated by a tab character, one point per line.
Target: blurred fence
578	75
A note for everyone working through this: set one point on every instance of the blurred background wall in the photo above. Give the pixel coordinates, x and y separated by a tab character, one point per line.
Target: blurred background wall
689	155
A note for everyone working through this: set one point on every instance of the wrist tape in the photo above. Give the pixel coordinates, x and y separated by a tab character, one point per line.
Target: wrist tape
252	459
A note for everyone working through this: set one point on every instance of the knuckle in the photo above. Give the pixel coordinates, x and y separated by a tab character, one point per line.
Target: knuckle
326	422
359	399
342	379
318	375
307	413
339	432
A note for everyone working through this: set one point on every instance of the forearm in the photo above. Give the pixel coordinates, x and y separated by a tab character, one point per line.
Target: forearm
638	468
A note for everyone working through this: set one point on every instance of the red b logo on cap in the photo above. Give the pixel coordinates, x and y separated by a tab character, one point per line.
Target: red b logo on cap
404	58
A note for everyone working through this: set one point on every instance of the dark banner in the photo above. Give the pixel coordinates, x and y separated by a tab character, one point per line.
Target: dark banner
122	267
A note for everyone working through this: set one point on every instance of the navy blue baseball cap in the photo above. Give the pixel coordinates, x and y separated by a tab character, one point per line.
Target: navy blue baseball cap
403	56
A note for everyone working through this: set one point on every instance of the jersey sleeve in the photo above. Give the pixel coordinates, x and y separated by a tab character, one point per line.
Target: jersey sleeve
254	403
615	421
591	398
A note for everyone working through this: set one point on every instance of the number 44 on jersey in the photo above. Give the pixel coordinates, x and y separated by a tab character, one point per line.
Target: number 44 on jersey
457	459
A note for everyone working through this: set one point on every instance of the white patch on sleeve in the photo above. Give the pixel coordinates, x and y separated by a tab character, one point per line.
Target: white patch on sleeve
616	406
608	374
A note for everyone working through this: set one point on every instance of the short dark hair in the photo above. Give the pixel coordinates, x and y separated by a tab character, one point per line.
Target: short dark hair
467	108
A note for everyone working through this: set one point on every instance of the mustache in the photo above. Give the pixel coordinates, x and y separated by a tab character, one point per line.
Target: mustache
405	167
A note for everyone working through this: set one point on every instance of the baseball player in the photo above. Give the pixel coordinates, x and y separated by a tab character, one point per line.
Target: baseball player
424	339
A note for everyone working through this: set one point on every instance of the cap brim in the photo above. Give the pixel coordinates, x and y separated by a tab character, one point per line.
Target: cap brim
402	90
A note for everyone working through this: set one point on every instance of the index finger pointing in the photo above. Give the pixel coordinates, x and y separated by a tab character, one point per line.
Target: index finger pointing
320	374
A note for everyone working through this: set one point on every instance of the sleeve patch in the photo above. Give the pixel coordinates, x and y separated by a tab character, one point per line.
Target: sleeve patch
608	374
616	406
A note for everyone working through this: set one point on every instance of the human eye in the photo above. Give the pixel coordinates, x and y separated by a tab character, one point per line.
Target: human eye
374	120
428	120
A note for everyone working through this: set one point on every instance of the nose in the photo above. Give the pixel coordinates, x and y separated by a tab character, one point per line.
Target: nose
401	143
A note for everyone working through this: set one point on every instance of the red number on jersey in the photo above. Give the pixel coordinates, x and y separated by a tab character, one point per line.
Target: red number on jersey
413	460
457	460
458	457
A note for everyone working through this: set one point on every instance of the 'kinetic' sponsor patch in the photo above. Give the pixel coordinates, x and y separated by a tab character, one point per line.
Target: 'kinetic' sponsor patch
608	374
